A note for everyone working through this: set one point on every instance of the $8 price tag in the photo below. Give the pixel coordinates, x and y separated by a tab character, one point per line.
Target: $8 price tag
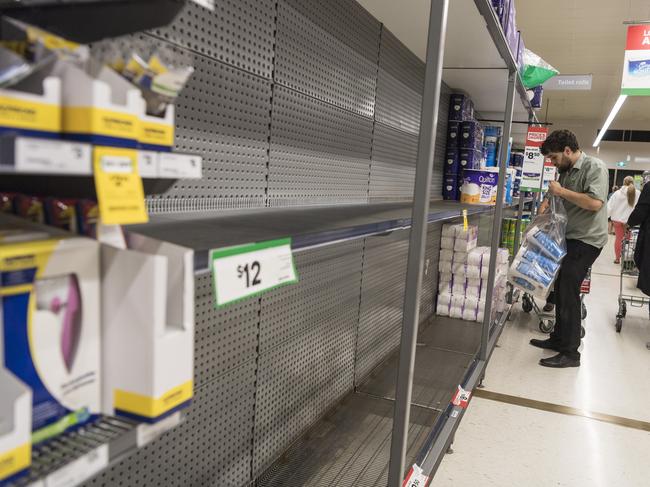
246	270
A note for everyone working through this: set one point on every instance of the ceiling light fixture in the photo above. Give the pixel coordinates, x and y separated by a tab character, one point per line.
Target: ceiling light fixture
610	118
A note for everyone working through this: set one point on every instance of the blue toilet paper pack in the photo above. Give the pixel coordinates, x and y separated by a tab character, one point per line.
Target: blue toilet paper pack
461	107
470	159
453	135
471	135
452	162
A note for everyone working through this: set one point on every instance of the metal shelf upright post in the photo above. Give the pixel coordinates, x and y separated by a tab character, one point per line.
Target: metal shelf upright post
418	237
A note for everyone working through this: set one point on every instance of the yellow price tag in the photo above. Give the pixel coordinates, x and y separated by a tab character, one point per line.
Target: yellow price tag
465	222
120	194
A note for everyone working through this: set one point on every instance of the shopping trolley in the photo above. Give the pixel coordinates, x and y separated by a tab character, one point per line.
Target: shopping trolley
547	319
628	269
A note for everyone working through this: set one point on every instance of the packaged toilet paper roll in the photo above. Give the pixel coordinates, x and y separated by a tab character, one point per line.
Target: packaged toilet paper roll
477	255
474	283
457	301
444	299
455	312
460	257
449	230
473	292
473	272
469	314
446	255
545	243
471	302
447	243
465	245
479	316
459	287
546	263
469	234
444	267
458	269
442	310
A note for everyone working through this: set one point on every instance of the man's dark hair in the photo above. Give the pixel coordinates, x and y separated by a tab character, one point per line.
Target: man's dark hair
558	140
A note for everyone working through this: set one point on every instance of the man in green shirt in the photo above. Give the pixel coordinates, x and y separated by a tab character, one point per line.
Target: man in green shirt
583	188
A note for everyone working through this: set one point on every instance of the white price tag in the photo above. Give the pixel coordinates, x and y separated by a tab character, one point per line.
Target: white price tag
179	166
52	157
117	164
80	469
416	478
148	164
146	433
245	270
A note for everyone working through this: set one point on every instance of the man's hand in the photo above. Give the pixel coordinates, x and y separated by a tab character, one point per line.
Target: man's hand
555	189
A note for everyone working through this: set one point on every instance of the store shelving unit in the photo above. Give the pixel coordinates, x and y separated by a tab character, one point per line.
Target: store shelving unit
49	167
254	371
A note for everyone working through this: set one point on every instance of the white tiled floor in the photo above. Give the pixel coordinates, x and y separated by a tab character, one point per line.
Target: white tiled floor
503	445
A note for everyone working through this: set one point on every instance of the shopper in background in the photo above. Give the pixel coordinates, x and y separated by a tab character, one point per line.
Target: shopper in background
619	208
609	220
583	188
640	216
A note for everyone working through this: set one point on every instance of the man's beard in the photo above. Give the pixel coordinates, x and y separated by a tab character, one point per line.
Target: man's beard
565	165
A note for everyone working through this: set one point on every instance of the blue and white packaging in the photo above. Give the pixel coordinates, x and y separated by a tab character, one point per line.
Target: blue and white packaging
533	256
450	188
492	135
461	107
471	135
469	159
452	162
453	135
546	244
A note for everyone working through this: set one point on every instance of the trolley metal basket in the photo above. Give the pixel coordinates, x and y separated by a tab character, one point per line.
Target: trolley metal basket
628	269
547	319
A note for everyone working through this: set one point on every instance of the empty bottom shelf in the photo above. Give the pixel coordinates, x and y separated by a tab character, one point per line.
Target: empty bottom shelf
349	447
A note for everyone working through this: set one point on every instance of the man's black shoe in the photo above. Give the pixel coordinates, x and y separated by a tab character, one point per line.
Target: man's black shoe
560	361
545	344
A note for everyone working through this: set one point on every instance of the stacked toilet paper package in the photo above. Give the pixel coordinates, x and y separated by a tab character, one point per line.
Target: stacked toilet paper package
543	247
464	269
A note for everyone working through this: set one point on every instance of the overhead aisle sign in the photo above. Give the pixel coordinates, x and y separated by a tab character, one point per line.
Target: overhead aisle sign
636	70
533	168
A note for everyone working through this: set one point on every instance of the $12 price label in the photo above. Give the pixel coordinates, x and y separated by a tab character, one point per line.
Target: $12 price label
246	270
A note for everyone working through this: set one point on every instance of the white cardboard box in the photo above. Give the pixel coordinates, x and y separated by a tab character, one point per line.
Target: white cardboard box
147	328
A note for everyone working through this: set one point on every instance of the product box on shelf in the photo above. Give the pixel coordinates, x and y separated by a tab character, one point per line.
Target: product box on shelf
491	142
147	328
471	135
450	188
49	282
15	425
156	133
32	107
453	135
452	162
461	107
99	106
470	159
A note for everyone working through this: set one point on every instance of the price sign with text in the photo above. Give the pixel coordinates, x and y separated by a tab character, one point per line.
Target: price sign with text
246	270
533	168
415	478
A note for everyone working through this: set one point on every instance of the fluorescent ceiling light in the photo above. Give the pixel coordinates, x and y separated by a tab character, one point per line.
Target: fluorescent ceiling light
610	118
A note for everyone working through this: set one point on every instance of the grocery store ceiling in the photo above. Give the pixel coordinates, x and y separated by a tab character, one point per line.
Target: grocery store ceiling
575	36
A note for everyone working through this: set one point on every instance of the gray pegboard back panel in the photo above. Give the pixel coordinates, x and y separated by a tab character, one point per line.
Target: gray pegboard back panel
346	20
400	84
212	447
392	170
382	299
311	60
223	115
237	32
307	336
430	276
319	153
225	338
328	290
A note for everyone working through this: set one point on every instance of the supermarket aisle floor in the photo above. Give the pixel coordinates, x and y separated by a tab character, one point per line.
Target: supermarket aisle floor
505	444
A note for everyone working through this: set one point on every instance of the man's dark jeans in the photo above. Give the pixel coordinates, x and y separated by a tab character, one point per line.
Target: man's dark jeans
579	258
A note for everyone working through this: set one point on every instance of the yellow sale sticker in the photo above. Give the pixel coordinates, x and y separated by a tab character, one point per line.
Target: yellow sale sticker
120	193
